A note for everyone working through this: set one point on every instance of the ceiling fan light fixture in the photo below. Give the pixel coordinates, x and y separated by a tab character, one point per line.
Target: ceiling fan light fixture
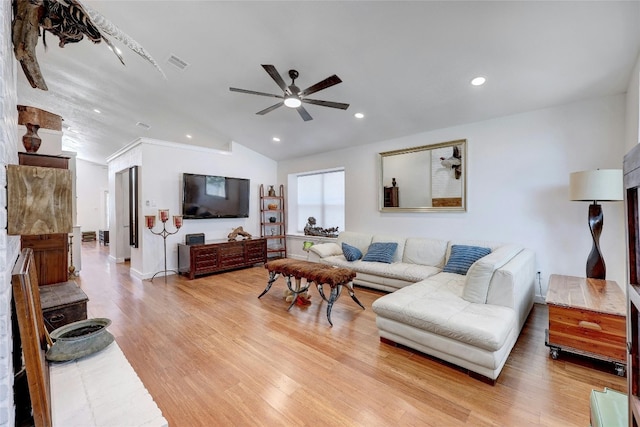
292	101
479	81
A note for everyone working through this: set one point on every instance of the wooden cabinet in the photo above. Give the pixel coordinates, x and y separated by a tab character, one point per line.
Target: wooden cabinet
212	257
631	171
273	221
103	236
391	198
50	253
50	250
587	317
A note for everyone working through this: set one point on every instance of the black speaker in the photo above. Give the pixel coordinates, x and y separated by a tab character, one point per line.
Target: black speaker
194	239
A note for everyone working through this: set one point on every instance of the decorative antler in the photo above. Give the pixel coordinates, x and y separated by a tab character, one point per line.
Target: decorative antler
70	21
108	27
26	30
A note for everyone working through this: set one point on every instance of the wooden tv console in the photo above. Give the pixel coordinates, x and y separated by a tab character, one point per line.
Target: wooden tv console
220	255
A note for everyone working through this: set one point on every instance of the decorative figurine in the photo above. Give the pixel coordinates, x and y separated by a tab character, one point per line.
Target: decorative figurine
238	232
311	230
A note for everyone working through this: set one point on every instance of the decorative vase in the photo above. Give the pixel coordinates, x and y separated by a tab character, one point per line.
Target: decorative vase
272	192
31	140
272	206
272	219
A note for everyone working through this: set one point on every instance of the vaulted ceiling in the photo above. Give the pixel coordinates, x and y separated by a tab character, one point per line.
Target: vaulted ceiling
405	65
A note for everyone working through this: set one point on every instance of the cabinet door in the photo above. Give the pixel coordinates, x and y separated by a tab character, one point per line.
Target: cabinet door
256	251
231	254
205	259
50	255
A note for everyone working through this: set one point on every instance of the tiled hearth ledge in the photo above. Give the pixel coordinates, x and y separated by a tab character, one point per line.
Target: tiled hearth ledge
101	390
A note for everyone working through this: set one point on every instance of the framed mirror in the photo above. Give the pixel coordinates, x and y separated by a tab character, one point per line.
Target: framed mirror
429	178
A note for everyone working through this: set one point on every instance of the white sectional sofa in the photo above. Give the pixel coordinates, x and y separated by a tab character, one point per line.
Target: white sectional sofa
471	320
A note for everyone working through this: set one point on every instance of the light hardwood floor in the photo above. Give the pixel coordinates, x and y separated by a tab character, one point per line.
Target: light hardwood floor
212	354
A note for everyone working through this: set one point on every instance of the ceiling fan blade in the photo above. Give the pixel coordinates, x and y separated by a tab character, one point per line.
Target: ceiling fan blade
328	82
273	107
304	114
331	104
253	92
275	75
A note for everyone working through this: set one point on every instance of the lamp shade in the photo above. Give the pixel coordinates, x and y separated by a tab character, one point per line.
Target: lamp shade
603	185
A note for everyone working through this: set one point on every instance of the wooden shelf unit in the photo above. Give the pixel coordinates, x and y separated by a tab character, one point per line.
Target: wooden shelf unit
631	171
214	256
273	231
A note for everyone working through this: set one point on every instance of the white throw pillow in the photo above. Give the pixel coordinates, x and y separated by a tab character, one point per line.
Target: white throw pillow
324	250
476	286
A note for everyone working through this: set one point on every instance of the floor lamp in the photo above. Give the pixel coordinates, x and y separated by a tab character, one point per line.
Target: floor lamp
601	185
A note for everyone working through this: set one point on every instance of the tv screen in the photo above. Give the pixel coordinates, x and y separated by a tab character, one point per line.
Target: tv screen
206	196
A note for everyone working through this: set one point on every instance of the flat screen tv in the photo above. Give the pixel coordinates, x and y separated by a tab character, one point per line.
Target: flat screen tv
207	196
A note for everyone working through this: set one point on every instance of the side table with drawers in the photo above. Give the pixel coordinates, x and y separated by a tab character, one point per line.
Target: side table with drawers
587	317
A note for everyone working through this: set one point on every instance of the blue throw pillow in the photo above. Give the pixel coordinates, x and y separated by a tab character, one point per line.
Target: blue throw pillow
381	252
462	257
351	253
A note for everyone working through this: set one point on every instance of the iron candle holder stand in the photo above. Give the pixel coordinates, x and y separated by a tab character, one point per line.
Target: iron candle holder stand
164	217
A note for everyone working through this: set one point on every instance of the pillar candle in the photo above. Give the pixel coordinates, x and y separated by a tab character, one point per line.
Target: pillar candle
177	221
150	220
163	214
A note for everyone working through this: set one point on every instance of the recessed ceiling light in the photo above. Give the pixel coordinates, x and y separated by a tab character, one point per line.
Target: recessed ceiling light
358	115
478	81
188	136
276	139
96	110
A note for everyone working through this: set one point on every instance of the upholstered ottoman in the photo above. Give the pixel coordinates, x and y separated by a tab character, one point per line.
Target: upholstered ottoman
320	274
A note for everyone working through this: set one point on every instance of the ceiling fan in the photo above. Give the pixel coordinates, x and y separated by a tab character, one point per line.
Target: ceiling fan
293	97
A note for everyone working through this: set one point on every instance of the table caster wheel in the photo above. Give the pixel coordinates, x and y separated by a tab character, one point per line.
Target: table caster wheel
555	352
620	370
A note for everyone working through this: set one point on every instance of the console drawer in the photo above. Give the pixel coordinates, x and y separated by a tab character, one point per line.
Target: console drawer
599	333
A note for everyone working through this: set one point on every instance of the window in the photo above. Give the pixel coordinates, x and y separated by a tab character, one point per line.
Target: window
320	195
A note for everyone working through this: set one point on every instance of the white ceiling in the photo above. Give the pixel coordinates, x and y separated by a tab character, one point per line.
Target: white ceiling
405	65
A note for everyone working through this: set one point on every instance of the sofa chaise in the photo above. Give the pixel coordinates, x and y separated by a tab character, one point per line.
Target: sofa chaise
464	302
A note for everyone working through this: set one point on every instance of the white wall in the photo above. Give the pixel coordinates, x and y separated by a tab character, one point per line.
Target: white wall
162	165
91	185
9	245
633	108
122	160
518	173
